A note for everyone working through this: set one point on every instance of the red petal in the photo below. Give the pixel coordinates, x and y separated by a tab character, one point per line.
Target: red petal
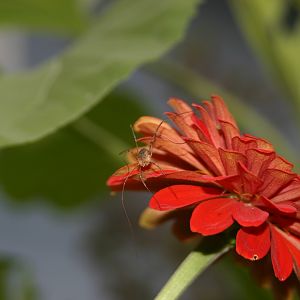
183	121
294	227
281	258
293	244
258	160
253	242
183	109
209	155
261	143
229	131
241	144
177	196
248	215
231	183
275	180
132	176
202	130
148	126
121	174
221	110
230	160
282	164
285	208
250	182
176	149
213	216
209	107
183	177
167	138
287	195
187	176
211	126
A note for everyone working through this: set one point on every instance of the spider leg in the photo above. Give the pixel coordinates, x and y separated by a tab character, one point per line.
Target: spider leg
129	173
162	172
134	136
145	185
124	208
158	127
124	151
155	135
156	165
168	139
143	180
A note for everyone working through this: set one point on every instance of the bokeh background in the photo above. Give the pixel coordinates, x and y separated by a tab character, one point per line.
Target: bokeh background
63	236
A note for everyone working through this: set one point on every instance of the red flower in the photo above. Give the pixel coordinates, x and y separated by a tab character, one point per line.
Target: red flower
215	176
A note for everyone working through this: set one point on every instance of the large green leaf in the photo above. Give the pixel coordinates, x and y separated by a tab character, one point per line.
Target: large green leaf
71	166
273	29
128	34
58	15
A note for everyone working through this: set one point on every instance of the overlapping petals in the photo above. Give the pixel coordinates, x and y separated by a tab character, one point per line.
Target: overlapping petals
207	168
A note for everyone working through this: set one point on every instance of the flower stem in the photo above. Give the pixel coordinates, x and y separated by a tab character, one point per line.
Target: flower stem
100	137
193	265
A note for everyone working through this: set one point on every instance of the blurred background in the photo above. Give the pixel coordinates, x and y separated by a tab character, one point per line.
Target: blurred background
74	75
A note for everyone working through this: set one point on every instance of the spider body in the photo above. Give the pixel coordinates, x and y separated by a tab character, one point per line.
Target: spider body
144	156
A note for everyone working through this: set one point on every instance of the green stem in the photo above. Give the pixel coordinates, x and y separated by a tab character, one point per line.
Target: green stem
194	265
100	137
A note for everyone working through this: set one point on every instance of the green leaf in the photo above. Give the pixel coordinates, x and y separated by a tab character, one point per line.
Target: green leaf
193	265
275	36
57	15
71	166
130	33
198	86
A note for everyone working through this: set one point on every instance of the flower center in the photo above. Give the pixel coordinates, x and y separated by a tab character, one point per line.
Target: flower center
246	198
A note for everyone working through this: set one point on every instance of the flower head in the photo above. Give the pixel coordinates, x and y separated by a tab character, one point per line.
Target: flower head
208	173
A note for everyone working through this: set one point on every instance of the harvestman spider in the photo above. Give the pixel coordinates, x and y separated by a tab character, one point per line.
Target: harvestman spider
144	159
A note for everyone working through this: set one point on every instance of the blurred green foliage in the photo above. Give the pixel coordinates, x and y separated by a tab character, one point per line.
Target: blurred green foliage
60	16
272	28
15	281
65	88
71	166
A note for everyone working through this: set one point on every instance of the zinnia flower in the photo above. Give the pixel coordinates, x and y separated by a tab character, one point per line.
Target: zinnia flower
207	174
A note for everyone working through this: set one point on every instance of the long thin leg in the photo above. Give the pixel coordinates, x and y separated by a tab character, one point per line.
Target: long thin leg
124	208
134	136
155	164
145	185
157	129
162	171
123	151
154	135
168	139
